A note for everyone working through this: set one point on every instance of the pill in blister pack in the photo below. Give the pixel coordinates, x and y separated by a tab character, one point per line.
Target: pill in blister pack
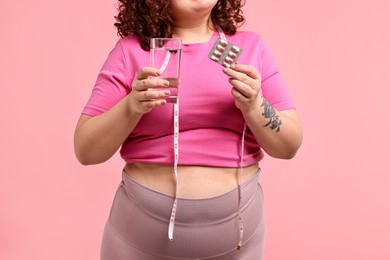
224	52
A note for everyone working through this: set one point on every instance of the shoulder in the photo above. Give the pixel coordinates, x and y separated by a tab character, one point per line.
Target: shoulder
248	40
130	48
129	42
247	36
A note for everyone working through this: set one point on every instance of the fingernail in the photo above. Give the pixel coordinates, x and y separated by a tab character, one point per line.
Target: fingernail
224	69
166	83
167	93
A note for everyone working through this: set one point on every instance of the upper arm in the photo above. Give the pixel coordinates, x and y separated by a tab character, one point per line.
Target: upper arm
112	83
82	119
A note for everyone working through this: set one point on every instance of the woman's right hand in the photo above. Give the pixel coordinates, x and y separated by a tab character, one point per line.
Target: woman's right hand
97	138
148	91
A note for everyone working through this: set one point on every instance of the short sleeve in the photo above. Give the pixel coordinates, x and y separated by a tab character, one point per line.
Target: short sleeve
273	86
112	83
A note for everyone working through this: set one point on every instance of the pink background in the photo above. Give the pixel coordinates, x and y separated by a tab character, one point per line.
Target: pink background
330	202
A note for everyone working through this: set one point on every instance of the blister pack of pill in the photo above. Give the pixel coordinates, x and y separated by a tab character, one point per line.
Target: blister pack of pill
224	52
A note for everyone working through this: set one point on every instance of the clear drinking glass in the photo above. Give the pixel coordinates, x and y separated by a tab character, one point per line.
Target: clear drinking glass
165	54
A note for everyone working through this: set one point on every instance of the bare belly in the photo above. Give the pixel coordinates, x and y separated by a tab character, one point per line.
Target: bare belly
195	182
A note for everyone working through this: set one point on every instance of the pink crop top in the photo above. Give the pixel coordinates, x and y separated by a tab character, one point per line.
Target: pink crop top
210	124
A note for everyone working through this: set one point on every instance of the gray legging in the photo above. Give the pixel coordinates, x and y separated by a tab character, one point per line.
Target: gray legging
137	227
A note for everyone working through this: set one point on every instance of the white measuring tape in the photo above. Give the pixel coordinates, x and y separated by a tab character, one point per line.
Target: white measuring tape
176	151
176	160
226	61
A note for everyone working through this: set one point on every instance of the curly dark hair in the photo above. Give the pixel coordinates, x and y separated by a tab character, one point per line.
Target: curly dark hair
152	18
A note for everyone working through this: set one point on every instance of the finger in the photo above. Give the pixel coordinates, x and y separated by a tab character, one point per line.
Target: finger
145	84
146	72
238	95
154	103
239	76
152	95
247	70
242	88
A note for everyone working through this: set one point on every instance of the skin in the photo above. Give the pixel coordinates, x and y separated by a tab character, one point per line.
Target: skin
246	85
96	140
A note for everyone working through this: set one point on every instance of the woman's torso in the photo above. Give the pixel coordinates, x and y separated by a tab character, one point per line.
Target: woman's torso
195	182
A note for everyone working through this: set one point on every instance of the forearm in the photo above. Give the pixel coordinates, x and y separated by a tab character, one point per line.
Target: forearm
279	133
97	138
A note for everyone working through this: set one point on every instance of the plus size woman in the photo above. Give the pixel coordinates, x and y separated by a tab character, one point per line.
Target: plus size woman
229	117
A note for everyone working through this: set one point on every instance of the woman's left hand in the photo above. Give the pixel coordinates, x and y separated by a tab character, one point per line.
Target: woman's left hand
246	82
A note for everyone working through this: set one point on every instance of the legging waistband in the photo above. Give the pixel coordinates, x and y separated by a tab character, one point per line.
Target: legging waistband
154	202
204	227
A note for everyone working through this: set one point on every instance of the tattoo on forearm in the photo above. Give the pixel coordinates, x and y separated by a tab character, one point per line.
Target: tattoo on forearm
270	113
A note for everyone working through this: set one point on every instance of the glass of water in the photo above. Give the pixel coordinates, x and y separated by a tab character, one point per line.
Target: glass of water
165	55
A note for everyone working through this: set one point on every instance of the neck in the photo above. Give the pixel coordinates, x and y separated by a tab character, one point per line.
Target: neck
194	33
